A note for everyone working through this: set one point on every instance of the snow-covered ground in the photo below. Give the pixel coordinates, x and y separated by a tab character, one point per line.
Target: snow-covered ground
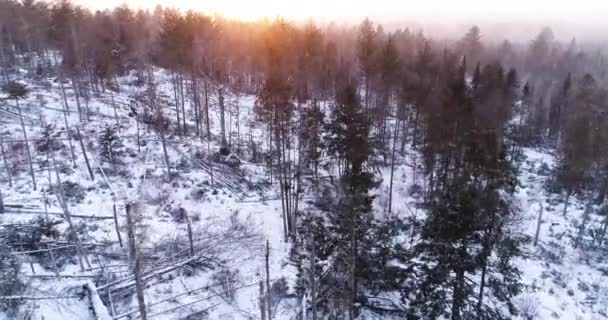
233	215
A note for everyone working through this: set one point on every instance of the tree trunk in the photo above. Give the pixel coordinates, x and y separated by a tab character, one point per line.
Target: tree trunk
139	287
84	153
458	287
604	229
175	92
281	186
568	194
27	145
64	96
353	269
481	288
224	142
195	104
268	289
164	143
181	89
538	223
77	96
68	218
262	302
6	167
116	223
390	192
190	235
207	121
115	110
583	225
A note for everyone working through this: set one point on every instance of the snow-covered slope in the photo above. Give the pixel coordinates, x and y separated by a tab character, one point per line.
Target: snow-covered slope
233	209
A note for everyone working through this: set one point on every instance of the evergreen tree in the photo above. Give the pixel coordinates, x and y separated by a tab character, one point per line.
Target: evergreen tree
110	145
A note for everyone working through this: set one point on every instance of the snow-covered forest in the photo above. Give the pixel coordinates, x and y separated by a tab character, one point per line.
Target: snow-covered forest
175	165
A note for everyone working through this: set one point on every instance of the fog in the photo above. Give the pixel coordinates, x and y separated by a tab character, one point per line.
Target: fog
520	20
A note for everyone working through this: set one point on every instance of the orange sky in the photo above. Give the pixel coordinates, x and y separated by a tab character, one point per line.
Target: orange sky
580	11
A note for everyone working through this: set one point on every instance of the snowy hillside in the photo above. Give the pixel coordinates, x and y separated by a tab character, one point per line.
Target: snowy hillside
232	214
233	209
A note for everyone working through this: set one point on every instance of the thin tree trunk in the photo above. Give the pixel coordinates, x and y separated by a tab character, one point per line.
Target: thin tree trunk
196	103
281	186
84	153
390	192
174	78
115	111
224	142
583	225
68	218
481	289
353	269
138	138
77	96
208	122
458	287
131	237
164	143
268	288
190	235
538	223
53	261
137	267
67	129
6	167
64	96
181	90
566	202
262	301
27	145
604	229
116	223
238	123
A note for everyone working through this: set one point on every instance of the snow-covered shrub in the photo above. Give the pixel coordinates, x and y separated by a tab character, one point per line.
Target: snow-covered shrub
154	192
110	145
77	232
199	194
278	291
10	284
415	190
47	142
233	161
179	215
183	165
553	252
228	281
528	306
70	191
29	236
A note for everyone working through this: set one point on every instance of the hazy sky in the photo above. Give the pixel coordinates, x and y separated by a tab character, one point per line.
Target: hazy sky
579	11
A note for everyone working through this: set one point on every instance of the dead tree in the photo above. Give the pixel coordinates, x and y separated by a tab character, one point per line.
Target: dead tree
84	153
268	298
137	267
27	145
68	218
224	142
390	192
6	167
116	223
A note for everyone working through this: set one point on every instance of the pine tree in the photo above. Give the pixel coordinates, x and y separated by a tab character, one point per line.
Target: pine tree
352	217
110	145
469	209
